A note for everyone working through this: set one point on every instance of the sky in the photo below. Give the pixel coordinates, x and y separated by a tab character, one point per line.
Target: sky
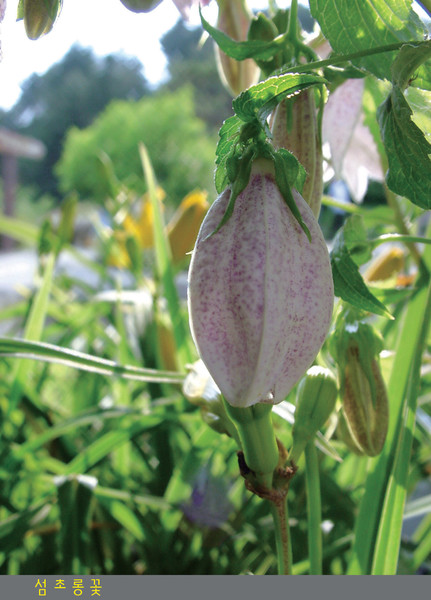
106	26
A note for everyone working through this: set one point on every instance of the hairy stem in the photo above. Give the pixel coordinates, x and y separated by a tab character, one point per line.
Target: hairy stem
282	537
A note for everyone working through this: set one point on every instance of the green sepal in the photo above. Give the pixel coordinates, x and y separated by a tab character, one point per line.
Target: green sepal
243	170
258	441
283	177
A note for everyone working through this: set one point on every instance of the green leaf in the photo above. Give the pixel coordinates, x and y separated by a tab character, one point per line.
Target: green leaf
348	282
354	26
25	233
74	497
407	65
33	327
229	135
109	442
86	419
355	239
257	49
258	101
407	149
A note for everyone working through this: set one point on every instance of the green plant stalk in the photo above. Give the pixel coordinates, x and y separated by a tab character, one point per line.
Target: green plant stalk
164	269
258	442
370	512
389	534
314	509
280	515
338	59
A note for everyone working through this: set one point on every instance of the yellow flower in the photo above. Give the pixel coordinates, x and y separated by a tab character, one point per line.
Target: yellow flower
184	226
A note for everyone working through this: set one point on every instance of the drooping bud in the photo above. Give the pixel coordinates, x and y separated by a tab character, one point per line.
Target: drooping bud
260	293
315	401
294	127
39	16
386	265
184	226
140	6
356	347
234	19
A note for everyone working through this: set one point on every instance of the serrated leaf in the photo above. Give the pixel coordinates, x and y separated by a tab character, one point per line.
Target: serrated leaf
409	60
407	149
257	49
354	26
258	101
228	134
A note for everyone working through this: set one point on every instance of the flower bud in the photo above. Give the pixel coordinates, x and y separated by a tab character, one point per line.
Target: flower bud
184	226
386	265
140	6
260	293
39	16
234	19
356	347
315	401
294	127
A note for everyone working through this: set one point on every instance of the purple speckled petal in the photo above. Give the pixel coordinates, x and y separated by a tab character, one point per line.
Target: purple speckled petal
260	294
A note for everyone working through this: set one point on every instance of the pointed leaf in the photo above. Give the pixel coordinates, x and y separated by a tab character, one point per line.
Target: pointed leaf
257	49
407	149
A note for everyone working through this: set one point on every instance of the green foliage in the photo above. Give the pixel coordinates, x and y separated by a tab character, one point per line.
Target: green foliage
351	28
71	93
181	149
191	62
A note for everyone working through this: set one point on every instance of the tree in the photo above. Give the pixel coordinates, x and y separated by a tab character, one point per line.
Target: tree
188	61
71	93
180	147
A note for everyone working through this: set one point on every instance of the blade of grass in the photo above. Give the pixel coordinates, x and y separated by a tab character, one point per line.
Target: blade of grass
164	267
79	360
107	443
83	420
33	328
74	498
370	512
389	534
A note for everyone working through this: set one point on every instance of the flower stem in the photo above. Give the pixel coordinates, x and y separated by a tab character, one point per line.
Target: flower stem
258	442
282	538
314	509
